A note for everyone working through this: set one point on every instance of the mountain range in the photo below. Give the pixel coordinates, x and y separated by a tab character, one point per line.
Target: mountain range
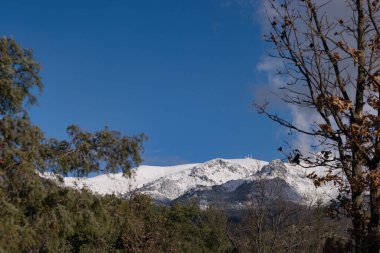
224	182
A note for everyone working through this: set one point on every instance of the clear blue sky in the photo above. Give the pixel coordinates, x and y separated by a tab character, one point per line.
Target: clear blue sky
182	72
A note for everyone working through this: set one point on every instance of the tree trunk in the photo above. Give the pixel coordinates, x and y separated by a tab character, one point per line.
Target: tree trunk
374	224
357	212
357	222
357	163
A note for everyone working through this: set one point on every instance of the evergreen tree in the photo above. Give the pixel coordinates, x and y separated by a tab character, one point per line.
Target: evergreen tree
39	215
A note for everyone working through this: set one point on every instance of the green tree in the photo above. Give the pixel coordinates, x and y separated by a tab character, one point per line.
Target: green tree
40	215
24	145
29	203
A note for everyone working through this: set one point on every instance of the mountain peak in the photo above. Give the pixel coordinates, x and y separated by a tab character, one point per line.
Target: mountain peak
277	167
229	176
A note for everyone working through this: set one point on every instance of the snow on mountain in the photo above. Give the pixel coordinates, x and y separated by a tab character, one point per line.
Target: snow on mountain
118	184
296	178
214	172
170	183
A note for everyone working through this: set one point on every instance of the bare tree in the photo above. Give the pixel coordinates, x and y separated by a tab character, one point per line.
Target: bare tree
273	223
331	67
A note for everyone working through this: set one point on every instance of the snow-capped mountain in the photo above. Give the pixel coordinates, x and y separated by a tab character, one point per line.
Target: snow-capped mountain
218	180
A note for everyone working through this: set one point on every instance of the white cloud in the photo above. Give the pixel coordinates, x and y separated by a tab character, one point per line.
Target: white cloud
301	117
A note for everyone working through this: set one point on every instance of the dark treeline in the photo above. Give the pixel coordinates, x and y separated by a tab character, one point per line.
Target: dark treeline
39	216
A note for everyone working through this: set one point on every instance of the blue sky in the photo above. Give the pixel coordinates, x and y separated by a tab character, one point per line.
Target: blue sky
182	72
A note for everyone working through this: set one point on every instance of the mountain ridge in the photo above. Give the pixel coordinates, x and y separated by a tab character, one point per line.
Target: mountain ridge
219	176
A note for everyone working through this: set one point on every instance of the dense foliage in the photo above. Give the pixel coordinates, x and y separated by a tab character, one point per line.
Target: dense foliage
39	216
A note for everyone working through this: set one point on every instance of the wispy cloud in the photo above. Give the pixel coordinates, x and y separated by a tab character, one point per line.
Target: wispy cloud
301	117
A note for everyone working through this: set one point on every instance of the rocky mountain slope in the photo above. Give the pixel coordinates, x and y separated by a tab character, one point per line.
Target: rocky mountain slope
231	182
